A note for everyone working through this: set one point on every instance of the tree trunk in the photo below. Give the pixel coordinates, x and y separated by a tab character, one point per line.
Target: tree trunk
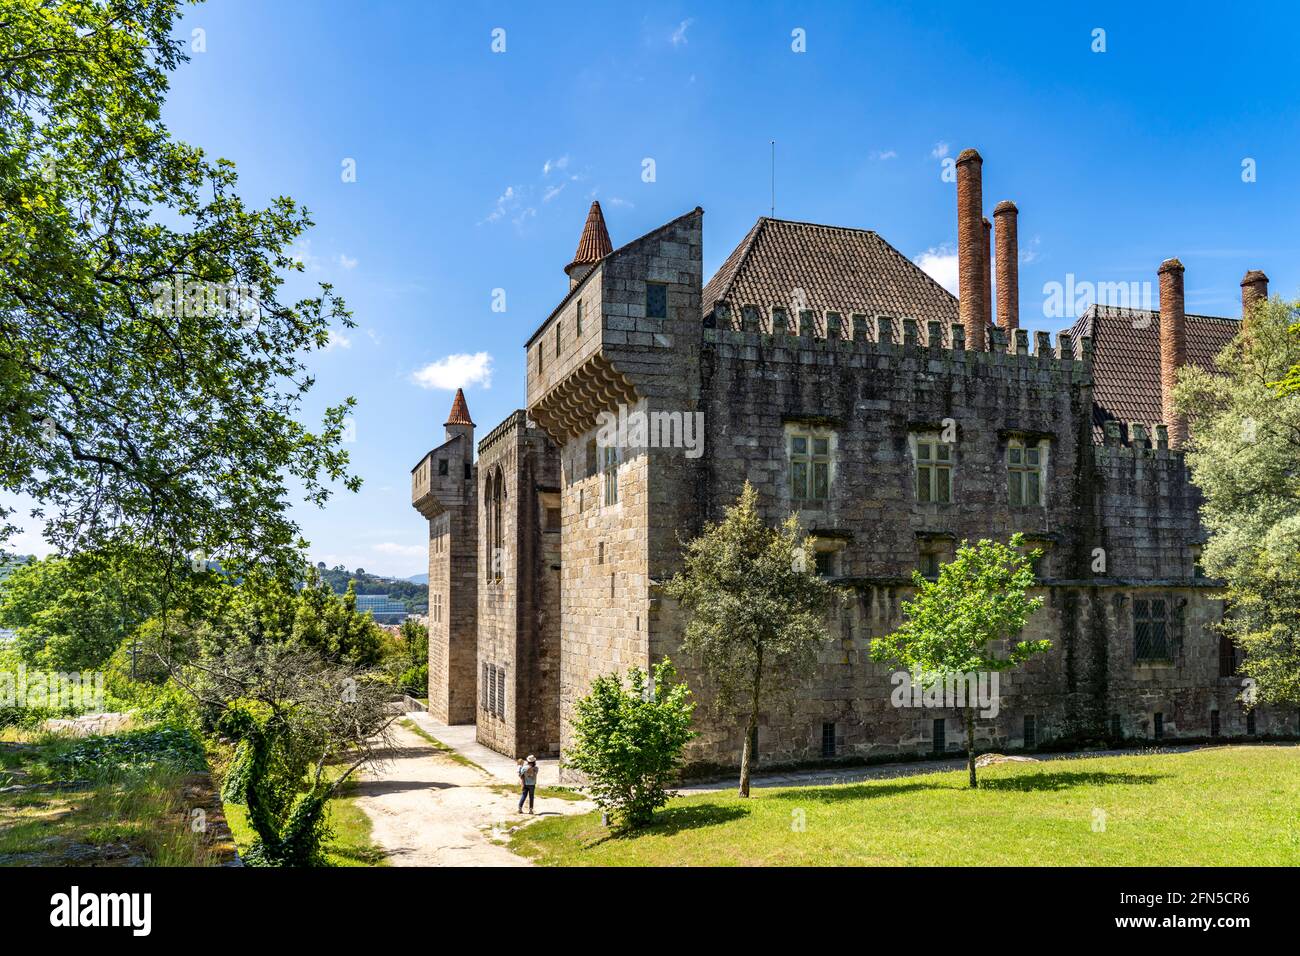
751	729
970	745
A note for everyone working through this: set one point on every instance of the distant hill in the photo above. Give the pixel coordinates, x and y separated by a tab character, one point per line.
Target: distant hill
418	579
413	594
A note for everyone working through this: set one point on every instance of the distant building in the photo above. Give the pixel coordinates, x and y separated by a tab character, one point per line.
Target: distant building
385	609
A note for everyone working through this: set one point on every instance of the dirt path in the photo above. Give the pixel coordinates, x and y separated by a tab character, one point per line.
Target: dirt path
429	810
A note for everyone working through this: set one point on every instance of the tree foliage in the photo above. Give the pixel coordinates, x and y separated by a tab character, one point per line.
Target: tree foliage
151	368
628	741
756	609
958	623
1244	456
303	727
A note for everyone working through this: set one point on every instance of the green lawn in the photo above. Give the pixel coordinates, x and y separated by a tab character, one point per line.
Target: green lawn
1226	806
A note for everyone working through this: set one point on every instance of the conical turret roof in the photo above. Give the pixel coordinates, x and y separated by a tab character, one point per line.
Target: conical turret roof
459	411
594	244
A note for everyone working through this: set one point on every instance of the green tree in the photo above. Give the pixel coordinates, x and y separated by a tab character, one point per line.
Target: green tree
152	371
756	609
953	624
414	678
303	727
72	613
1244	448
628	741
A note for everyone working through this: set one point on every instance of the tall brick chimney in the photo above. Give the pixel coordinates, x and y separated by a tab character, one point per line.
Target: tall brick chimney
1173	346
970	248
1008	264
986	261
1254	288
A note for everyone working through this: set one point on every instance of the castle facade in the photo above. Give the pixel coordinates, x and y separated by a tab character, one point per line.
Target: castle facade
824	367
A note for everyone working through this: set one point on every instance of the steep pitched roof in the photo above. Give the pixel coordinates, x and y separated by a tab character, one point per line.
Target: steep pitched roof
839	269
1126	359
459	411
594	244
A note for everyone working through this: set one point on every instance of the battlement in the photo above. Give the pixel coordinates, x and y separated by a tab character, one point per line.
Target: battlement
811	332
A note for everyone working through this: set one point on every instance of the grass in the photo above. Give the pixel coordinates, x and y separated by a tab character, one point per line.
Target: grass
120	799
439	746
1223	806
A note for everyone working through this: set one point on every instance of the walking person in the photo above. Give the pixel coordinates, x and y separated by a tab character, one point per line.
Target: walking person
528	779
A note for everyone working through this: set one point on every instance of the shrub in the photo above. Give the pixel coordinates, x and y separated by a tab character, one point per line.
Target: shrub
629	741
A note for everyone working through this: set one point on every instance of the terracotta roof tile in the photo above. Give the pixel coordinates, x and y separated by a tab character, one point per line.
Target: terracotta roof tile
1126	359
459	411
839	270
594	244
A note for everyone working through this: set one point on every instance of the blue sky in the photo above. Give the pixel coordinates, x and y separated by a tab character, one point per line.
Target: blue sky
474	169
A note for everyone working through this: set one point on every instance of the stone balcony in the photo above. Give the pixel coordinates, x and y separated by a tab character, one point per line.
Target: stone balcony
423	499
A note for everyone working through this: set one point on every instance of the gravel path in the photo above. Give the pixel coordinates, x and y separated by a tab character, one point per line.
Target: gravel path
429	810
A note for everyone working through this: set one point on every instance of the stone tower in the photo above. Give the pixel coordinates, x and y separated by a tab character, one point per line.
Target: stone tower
444	489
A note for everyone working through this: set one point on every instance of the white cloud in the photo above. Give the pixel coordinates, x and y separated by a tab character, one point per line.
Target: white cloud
550	164
940	264
339	340
347	262
617	203
401	550
884	154
552	192
679	35
456	371
940	150
1029	251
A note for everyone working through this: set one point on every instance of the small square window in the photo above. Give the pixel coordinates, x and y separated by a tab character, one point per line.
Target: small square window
930	564
934	465
825	561
656	300
442	466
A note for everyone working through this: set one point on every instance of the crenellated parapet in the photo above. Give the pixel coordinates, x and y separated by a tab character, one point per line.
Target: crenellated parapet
813	336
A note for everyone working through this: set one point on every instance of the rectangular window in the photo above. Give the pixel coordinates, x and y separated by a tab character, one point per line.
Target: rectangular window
1116	728
940	736
825	561
810	466
1214	723
485	682
442	466
1228	659
501	692
558	325
540	363
1024	474
552	519
1151	629
828	740
930	564
933	471
577	321
1031	732
1159	724
656	300
610	469
492	689
1250	722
